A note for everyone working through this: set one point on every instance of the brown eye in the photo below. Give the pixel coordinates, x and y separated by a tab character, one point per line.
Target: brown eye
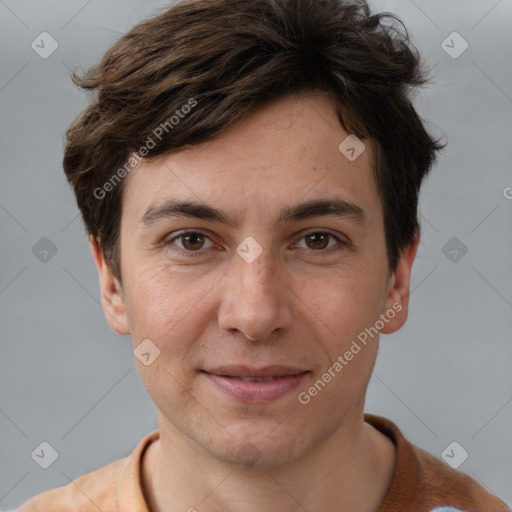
317	240
321	242
190	241
193	241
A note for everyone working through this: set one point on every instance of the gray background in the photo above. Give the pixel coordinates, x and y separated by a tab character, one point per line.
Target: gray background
67	379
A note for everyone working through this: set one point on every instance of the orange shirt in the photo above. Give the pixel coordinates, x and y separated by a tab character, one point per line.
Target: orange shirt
420	483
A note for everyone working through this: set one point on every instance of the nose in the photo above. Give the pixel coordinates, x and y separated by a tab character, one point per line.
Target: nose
255	300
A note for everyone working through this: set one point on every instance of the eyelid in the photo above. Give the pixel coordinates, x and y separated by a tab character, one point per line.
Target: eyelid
335	234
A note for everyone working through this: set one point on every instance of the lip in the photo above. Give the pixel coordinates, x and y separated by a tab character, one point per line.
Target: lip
239	370
229	379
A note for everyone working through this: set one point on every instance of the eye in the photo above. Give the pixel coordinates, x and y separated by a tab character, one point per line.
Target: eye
195	243
320	240
190	241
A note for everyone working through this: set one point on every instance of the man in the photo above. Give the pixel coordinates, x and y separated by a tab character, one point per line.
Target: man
249	178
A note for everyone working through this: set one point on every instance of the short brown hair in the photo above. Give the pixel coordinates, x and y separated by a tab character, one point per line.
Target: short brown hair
231	57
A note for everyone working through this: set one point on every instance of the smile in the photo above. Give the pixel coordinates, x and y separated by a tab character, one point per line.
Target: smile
256	389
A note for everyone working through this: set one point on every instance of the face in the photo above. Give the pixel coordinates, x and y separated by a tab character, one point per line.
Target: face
259	254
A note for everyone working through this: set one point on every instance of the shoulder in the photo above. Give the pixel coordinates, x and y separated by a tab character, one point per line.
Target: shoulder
93	491
422	482
114	487
439	482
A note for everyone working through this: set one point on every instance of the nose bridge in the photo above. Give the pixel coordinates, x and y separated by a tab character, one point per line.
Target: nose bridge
254	262
255	279
253	303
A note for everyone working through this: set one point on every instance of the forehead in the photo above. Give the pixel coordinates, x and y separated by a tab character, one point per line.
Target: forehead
282	153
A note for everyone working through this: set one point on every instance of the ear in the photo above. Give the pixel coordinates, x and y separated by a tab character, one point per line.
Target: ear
111	292
396	305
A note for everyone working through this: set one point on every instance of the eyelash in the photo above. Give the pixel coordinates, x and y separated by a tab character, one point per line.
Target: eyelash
199	253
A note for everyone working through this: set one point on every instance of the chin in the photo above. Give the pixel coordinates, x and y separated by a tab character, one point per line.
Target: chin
254	448
256	455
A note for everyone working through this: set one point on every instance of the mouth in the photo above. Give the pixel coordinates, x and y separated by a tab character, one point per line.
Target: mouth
255	385
252	379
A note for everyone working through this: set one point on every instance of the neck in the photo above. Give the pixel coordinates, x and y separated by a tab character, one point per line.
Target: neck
351	470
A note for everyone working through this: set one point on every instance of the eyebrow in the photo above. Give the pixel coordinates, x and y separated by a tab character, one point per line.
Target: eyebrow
313	208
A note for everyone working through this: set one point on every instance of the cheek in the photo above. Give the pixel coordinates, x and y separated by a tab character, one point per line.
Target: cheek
158	300
170	309
343	311
152	311
342	317
342	304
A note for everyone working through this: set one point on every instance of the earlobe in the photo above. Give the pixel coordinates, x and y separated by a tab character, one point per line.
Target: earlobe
397	296
112	299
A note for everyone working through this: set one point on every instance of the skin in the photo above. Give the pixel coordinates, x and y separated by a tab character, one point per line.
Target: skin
302	303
